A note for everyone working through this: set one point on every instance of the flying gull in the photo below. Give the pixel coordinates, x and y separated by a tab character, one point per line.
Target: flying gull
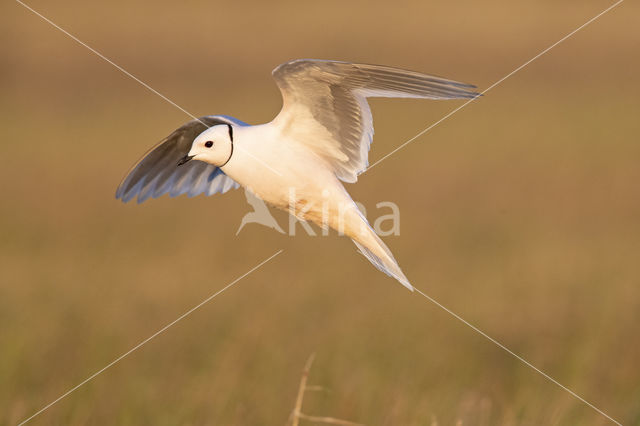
298	161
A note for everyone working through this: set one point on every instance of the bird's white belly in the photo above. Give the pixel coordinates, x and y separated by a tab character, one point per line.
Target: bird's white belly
274	171
287	177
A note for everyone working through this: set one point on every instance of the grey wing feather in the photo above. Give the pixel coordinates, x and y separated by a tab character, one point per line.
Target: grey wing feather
325	106
157	173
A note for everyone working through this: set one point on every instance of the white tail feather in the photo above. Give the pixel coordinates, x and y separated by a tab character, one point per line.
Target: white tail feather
372	247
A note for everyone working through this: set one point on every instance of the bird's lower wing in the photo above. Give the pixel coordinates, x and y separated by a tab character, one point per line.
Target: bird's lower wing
157	172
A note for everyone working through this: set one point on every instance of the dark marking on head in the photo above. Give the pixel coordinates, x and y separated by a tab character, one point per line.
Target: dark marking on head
231	153
230	132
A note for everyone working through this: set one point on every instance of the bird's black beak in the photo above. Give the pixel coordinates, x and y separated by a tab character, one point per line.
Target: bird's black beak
185	159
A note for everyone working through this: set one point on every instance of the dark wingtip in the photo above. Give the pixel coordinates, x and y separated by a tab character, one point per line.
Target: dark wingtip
462	85
473	95
121	194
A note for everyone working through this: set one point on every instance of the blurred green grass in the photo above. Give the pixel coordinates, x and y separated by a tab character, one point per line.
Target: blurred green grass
520	213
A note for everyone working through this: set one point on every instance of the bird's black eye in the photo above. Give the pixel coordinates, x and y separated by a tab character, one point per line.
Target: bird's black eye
208	144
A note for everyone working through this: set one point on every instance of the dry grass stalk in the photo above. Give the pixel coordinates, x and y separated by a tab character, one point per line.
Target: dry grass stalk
329	420
297	414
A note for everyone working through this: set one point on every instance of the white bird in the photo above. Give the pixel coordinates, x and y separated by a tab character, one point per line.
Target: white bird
297	161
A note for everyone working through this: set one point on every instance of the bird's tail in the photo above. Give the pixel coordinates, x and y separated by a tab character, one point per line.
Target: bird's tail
372	247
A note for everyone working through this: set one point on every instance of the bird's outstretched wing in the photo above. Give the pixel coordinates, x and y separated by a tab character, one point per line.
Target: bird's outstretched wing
157	173
325	106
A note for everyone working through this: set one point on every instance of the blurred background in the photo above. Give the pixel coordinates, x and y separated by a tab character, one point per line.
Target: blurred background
521	213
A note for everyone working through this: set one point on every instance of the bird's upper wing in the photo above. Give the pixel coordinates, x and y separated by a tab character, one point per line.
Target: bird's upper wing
325	107
157	173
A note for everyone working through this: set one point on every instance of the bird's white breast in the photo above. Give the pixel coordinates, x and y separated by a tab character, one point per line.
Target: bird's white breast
273	168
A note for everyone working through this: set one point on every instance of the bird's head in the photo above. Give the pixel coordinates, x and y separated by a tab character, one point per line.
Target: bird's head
213	146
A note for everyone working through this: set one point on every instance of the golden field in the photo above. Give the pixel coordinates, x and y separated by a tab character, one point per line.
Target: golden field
521	213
